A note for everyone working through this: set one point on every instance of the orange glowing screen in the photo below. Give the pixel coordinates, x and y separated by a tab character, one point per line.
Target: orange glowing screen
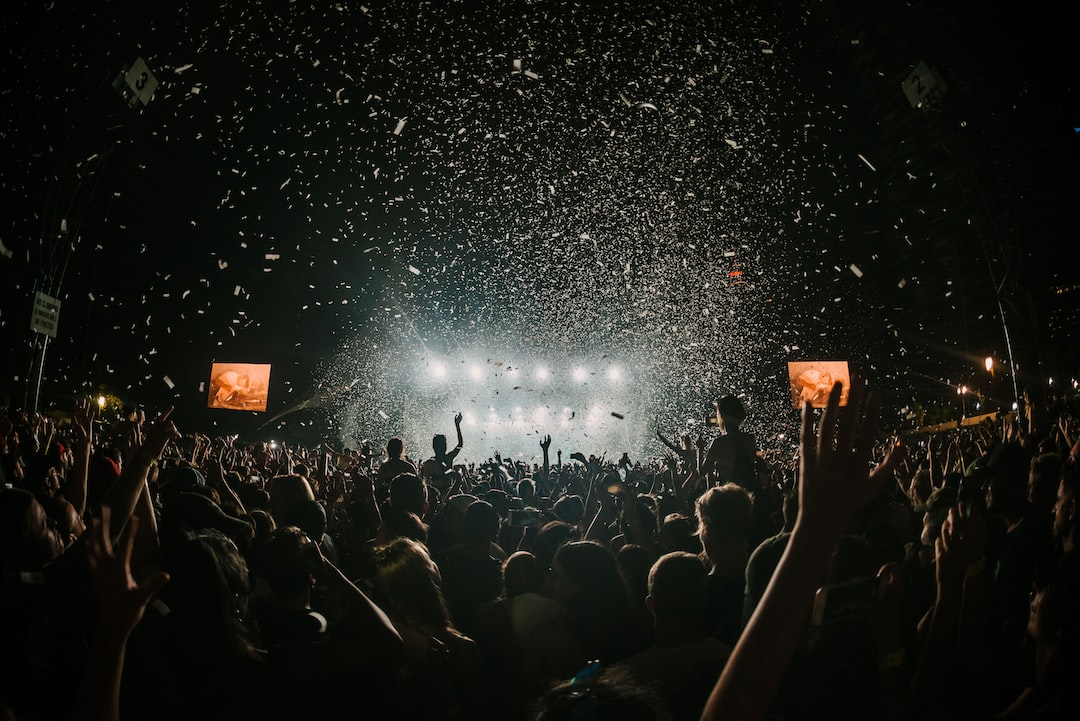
812	381
239	386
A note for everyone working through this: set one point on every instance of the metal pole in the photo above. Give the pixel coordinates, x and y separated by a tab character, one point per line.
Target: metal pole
39	361
1008	344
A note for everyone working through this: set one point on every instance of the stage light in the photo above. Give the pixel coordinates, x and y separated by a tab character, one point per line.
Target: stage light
542	373
477	373
580	375
438	370
614	374
468	419
101	401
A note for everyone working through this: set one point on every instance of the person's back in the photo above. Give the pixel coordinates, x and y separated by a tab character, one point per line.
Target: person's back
732	457
725	516
684	662
395	463
471	575
439	669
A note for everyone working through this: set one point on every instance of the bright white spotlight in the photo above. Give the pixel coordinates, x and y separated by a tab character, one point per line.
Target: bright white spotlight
542	373
438	370
614	373
468	419
580	375
477	373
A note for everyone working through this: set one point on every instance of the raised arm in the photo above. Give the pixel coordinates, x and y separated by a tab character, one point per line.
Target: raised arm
82	422
121	603
122	496
545	473
835	482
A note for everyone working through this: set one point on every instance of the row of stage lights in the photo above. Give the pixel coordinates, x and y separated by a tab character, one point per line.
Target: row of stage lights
478	372
541	416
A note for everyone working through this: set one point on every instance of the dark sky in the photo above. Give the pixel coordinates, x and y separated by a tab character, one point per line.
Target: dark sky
348	190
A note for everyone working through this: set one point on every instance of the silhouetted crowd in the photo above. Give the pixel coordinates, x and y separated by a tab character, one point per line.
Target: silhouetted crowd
150	572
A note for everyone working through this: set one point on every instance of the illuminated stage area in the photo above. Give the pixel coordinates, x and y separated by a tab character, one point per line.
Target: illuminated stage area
589	406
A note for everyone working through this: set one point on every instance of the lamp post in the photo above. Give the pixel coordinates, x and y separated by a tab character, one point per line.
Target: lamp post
962	392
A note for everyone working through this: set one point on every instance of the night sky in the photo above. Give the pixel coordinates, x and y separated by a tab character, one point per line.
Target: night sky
360	193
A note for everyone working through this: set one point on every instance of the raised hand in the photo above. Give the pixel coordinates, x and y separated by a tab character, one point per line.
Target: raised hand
158	434
835	475
121	600
457	419
545	443
82	420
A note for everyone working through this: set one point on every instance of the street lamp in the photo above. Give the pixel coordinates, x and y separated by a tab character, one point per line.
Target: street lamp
962	392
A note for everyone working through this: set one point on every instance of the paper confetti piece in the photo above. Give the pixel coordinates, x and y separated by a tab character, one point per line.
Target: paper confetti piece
863	158
168	382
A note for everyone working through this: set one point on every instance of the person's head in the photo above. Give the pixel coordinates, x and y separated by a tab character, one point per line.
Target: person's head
438	444
586	570
395	448
677	585
677	534
570	509
645	513
521	574
409	492
550	538
69	524
481	523
28	537
526	489
731	412
208	595
500	500
409	584
724	515
286	492
282	560
601	693
398	523
309	516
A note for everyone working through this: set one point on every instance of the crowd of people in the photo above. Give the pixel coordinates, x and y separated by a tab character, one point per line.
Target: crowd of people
150	572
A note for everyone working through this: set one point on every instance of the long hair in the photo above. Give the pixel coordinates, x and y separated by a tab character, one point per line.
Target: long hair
208	596
409	584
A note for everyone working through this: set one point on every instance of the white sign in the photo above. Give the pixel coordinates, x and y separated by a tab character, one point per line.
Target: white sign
922	86
46	315
141	81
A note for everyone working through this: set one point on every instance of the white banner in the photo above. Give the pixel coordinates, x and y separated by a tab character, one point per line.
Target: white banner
46	315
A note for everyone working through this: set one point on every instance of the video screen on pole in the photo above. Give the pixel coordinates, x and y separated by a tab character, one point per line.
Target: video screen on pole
813	380
239	386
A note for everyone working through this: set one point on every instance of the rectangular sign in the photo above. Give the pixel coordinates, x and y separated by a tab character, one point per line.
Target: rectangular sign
46	315
813	380
239	386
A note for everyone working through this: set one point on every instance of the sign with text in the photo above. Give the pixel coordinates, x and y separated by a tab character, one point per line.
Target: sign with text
141	81
239	386
46	315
